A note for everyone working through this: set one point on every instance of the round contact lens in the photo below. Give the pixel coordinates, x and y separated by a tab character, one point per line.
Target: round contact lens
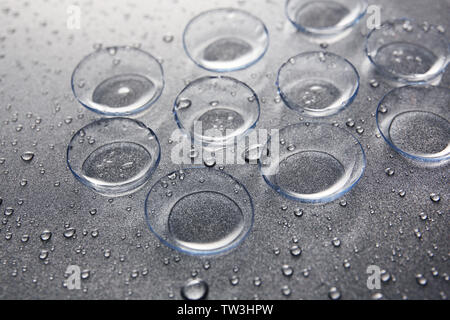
312	162
407	52
199	211
215	111
113	156
225	39
118	81
317	83
325	17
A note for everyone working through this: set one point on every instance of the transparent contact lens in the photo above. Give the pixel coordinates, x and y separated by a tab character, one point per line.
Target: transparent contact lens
312	162
113	156
407	52
199	211
225	39
317	83
325	17
215	111
414	121
118	81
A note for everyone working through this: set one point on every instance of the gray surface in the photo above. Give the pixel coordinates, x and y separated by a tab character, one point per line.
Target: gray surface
37	56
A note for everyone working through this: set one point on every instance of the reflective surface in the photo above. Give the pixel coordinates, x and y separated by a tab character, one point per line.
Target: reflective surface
388	219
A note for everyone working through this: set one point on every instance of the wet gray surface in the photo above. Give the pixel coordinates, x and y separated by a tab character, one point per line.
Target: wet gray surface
377	226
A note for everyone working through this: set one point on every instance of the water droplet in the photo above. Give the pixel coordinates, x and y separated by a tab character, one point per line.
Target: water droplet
209	162
69	233
46	235
382	108
168	38
336	242
27	156
359	130
43	254
257	281
287	270
9	211
435	197
184	103
350	123
286	291
334	293
374	83
234	280
298	212
385	276
377	296
423	216
85	274
195	289
291	147
295	251
421	280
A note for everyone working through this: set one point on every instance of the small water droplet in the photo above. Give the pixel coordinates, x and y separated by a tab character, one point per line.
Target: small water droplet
168	38
184	103
46	235
336	242
421	280
287	270
195	289
435	197
374	83
296	251
286	291
298	212
27	156
69	233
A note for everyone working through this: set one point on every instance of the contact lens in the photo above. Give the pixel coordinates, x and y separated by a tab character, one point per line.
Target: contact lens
324	17
118	81
216	110
113	156
407	52
312	162
317	83
414	121
199	211
225	39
